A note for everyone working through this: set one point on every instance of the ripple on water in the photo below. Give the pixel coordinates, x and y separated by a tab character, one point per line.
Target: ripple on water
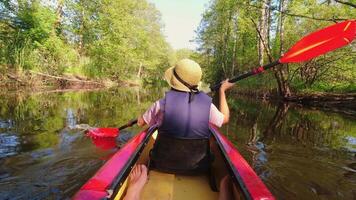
6	123
39	154
8	144
53	174
351	144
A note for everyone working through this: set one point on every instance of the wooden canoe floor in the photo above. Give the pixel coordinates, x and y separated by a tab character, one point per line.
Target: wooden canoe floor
162	186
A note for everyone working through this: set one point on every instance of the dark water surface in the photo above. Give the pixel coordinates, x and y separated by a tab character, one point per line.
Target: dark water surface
299	153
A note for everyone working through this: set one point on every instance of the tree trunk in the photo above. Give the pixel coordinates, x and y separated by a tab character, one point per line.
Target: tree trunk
81	28
226	45
275	125
263	29
234	48
139	70
281	73
59	13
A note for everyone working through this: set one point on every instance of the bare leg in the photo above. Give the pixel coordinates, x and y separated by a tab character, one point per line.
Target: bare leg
225	189
137	179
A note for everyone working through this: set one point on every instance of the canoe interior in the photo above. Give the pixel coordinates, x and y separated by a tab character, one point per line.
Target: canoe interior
178	187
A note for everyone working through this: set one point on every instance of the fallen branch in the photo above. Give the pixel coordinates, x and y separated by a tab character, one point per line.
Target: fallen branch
66	79
324	97
332	19
15	78
341	103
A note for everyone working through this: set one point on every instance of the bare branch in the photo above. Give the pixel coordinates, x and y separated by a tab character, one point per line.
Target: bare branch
333	19
268	51
346	3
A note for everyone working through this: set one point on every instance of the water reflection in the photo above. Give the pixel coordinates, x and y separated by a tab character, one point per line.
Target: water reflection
6	124
299	153
71	120
8	144
44	154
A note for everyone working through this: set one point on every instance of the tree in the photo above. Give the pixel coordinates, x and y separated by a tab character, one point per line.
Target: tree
263	29
281	72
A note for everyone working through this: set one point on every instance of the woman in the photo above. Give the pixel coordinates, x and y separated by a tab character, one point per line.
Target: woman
182	118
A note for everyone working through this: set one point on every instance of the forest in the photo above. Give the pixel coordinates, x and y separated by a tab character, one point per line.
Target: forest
118	40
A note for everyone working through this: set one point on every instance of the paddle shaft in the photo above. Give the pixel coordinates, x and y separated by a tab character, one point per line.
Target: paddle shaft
246	74
129	124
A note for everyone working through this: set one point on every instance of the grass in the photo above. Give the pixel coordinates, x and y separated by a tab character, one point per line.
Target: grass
325	87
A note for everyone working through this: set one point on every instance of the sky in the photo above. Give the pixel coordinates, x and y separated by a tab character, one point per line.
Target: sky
181	19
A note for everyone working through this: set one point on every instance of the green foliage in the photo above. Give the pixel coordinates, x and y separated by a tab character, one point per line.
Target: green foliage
37	21
31	41
128	39
57	56
105	38
183	53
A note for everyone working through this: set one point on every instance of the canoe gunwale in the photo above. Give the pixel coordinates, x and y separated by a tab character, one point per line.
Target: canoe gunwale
250	183
123	174
232	170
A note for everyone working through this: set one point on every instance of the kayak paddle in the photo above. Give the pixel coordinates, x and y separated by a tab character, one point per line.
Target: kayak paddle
109	132
310	46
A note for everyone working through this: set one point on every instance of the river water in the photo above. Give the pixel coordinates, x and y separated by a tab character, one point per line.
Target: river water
299	153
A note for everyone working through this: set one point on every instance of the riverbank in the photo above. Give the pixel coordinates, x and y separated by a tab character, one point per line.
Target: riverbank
336	102
38	81
30	81
341	103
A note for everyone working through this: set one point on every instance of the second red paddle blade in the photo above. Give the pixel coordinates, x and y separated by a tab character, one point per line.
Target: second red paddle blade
103	132
104	143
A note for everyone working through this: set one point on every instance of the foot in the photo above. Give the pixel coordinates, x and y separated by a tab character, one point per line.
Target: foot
137	180
225	189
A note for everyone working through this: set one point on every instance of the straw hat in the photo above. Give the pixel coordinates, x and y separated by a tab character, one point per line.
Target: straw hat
187	71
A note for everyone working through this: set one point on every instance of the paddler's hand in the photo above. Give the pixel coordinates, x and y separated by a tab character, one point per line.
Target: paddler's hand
140	121
223	107
225	85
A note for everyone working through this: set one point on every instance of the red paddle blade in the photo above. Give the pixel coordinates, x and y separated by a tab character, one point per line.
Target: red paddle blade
103	132
320	42
104	143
